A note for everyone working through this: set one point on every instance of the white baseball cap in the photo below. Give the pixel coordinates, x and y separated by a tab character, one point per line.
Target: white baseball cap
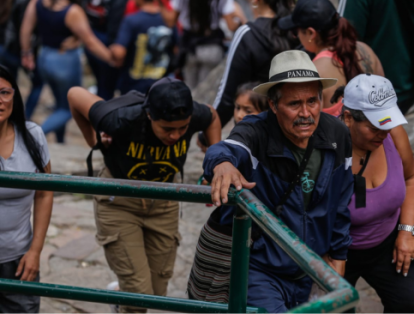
292	66
375	96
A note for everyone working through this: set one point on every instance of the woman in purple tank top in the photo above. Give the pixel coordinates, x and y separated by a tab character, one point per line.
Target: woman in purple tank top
382	206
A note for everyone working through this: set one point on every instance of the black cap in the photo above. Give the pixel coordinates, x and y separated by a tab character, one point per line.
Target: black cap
309	13
169	99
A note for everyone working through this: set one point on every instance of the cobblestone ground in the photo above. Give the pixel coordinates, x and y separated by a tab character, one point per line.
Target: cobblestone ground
71	255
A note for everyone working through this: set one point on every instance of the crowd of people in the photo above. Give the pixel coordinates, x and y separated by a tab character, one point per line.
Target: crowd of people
318	98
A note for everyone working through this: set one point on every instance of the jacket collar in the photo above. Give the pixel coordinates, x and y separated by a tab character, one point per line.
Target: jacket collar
277	139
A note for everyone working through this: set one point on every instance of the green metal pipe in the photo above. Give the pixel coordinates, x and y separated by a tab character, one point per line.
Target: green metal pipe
240	256
308	260
116	297
337	301
115	187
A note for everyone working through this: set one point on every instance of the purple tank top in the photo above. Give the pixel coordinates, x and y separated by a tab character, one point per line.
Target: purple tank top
374	223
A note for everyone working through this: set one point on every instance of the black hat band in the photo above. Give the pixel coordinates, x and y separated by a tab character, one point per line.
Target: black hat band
294	74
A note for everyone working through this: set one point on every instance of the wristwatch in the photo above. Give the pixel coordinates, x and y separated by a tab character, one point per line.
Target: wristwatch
406	228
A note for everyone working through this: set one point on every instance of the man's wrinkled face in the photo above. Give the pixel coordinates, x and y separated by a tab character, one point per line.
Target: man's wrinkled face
298	111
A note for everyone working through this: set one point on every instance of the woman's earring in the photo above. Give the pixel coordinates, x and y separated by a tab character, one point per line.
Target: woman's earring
255	6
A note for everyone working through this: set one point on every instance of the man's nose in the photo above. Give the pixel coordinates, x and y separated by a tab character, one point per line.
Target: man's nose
304	112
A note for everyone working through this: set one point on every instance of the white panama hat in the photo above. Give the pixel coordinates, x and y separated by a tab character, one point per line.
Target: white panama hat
375	96
292	66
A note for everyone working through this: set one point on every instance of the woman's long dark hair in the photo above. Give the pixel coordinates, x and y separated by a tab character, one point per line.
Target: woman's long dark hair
19	121
200	15
342	36
282	39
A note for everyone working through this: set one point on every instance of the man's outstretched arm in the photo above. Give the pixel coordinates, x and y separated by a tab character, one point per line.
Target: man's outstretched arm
80	102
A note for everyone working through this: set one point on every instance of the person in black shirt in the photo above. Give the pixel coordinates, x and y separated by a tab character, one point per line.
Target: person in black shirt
149	141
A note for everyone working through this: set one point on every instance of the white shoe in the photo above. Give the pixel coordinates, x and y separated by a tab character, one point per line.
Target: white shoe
114	286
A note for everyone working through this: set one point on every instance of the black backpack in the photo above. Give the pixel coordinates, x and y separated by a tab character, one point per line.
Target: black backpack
131	98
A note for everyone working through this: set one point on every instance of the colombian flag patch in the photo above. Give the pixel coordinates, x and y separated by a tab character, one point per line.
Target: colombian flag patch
384	120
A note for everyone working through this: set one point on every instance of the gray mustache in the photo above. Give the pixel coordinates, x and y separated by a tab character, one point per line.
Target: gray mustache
309	120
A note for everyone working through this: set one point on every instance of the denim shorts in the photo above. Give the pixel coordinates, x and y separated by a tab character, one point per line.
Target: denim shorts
12	302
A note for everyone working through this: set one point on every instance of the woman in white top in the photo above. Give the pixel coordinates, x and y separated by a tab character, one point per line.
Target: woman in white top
23	148
201	45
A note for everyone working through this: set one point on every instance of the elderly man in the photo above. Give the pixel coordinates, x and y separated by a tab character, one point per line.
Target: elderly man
296	159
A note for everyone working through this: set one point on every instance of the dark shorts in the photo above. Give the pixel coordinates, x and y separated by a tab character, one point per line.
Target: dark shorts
12	302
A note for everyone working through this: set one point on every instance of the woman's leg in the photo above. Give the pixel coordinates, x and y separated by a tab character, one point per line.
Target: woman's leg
32	100
209	57
61	79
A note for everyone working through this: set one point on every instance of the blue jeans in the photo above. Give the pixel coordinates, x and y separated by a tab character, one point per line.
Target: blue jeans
61	71
106	76
12	63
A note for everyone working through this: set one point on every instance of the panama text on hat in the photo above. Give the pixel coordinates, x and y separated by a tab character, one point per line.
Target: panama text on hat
292	66
375	96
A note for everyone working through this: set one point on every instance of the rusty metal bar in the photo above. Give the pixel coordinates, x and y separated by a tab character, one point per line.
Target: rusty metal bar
112	187
116	297
344	297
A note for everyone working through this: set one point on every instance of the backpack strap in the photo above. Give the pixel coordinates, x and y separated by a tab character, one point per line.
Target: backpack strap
296	180
129	99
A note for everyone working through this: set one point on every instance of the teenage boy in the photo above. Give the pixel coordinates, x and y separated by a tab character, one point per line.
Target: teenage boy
150	141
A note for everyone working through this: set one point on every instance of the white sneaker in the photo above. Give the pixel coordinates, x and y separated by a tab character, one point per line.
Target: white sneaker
114	286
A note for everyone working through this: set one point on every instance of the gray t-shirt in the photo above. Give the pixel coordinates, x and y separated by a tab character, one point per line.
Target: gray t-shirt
16	204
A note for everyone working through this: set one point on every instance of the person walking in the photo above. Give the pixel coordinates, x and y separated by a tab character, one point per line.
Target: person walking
57	20
105	17
150	136
23	148
382	206
296	159
201	46
251	52
332	38
143	48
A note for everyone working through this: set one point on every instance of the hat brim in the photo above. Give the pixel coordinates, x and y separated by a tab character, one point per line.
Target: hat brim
264	88
386	119
286	23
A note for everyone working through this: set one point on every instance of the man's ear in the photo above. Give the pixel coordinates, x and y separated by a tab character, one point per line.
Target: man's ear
272	105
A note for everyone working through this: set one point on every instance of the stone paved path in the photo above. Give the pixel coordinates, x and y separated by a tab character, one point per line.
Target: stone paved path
71	255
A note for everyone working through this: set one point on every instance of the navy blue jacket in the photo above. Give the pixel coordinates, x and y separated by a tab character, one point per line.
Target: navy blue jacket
255	147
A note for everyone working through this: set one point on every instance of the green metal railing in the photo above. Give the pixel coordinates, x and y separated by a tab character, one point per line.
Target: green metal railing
341	295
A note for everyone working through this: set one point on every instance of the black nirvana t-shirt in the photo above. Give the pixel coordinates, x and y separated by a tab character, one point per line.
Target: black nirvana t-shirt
135	152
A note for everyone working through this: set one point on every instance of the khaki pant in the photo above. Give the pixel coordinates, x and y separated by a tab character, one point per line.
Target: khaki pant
140	239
